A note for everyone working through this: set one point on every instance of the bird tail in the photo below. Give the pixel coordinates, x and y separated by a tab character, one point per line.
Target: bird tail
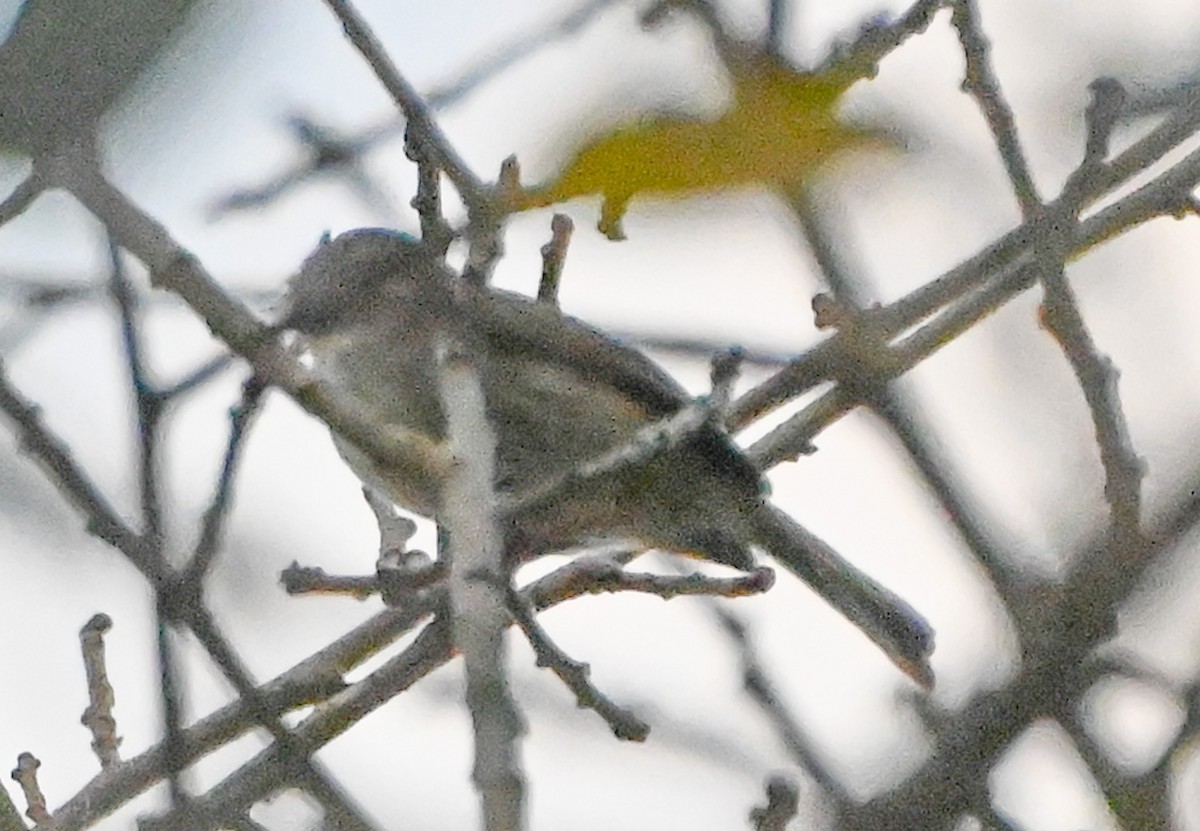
896	627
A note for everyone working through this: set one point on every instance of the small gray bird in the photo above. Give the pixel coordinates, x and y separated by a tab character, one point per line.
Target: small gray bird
559	394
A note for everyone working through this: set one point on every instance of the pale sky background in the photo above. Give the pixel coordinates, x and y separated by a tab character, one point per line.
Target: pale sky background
730	267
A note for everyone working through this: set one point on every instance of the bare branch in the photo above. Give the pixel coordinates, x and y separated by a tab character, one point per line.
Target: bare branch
760	688
435	231
72	482
241	418
981	83
478	586
1097	376
177	270
98	717
421	125
1168	195
575	675
432	648
25	775
554	256
974	290
327	152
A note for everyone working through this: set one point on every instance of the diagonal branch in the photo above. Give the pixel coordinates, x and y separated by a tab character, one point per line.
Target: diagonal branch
420	119
1001	260
979	288
981	83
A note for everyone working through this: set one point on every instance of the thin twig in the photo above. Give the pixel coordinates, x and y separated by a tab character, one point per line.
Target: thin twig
981	83
241	419
876	40
757	683
651	440
431	649
1167	195
197	377
148	405
598	576
98	717
1164	196
1055	669
422	125
624	724
73	483
1105	111
171	695
1097	376
994	820
289	753
348	148
325	151
554	256
314	679
893	407
777	20
297	580
25	775
489	67
485	226
701	348
436	233
419	458
1137	802
724	369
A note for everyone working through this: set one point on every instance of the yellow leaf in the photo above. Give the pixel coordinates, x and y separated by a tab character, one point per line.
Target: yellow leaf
779	128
